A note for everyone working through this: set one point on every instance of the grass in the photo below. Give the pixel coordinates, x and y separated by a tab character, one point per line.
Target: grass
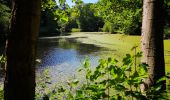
118	44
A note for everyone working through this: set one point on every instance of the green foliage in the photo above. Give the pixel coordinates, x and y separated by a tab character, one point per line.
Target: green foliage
1	92
55	17
48	24
167	19
108	27
87	21
2	63
111	79
125	15
166	32
43	81
4	20
2	59
75	30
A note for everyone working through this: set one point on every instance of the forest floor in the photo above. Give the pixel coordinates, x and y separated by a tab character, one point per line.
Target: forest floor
119	43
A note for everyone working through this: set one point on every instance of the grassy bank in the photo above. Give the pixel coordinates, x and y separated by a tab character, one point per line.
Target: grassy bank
118	43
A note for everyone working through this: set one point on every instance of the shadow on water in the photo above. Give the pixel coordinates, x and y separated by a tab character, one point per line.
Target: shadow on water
62	56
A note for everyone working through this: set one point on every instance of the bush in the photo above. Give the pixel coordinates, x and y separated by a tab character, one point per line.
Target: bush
108	27
110	80
87	20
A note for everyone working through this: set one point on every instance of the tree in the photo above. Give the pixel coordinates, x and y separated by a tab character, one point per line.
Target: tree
152	40
88	22
123	15
48	25
54	17
20	67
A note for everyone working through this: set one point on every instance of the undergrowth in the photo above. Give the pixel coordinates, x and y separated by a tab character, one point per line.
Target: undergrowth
110	80
1	92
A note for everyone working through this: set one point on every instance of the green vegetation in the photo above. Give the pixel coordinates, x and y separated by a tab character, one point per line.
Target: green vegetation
105	15
2	61
1	92
87	21
124	15
114	79
109	80
167	19
120	43
4	20
53	17
108	27
167	32
75	30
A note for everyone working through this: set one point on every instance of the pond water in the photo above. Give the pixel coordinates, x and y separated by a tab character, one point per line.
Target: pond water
63	56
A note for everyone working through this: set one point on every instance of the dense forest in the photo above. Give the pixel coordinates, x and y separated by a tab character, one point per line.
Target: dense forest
115	17
142	75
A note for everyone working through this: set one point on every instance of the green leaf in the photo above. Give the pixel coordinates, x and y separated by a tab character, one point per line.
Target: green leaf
75	81
81	69
161	80
87	63
120	87
143	69
70	96
127	60
79	94
88	74
61	89
109	59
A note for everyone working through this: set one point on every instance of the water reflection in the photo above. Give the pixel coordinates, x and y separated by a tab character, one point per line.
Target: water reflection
62	56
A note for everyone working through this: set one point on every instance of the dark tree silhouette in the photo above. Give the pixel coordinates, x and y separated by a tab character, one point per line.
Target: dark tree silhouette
20	67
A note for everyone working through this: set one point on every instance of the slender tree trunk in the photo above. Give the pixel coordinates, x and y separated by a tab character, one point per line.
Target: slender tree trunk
152	40
20	68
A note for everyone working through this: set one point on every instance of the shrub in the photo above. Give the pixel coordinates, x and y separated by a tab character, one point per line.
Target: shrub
108	27
110	80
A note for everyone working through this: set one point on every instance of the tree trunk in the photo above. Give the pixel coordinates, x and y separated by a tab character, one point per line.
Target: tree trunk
152	40
20	68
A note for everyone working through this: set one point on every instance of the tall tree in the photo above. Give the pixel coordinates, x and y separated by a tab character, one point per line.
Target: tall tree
87	21
20	68
152	40
122	15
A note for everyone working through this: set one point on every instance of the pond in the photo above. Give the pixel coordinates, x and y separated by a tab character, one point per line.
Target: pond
64	56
